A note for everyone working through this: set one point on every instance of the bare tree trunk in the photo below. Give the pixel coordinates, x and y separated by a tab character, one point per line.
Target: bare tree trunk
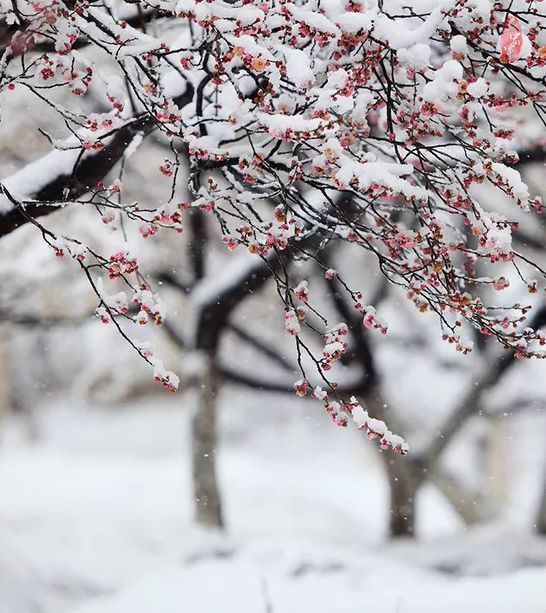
471	505
403	494
495	460
541	517
401	471
5	378
208	507
212	321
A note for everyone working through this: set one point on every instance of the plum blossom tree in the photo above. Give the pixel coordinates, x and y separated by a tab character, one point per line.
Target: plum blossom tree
301	124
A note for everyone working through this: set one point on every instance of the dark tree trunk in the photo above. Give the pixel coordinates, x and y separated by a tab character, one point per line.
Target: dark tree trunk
208	506
541	517
401	472
212	322
403	489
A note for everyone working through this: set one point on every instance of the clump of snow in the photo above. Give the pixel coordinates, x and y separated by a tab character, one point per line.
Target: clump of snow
417	56
513	179
478	88
458	45
445	82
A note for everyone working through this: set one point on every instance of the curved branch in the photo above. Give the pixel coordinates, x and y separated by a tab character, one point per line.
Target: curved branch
232	376
260	346
471	402
87	171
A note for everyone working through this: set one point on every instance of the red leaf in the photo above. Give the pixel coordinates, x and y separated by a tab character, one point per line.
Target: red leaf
511	40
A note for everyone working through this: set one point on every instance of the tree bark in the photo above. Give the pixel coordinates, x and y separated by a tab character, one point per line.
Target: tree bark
402	473
5	379
471	506
208	506
403	488
541	516
212	321
496	463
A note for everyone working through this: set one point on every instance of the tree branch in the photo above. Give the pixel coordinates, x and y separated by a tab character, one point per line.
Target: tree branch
471	402
88	171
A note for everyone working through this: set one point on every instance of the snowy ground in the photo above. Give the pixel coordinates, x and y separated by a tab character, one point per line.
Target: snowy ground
95	517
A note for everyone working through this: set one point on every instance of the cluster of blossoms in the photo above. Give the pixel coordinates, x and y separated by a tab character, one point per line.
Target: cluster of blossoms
167	216
62	247
292	322
167	378
307	122
263	238
334	346
170	215
150	305
301	291
150	308
370	318
343	413
121	262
